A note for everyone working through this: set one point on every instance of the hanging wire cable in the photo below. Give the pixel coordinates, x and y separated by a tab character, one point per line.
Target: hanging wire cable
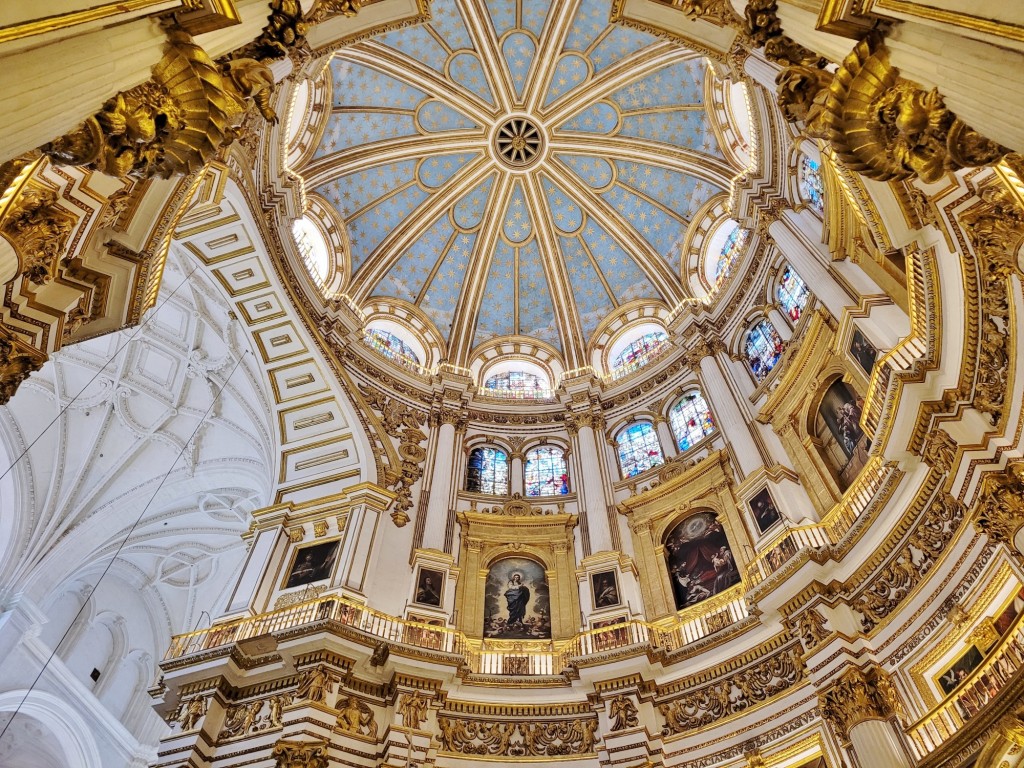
102	368
124	541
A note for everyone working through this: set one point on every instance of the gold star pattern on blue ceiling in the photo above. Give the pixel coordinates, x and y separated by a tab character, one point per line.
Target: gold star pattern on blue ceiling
484	249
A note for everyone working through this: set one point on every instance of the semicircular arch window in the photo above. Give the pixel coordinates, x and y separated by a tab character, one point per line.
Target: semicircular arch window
638	448
812	190
313	249
517	385
487	471
639	352
691	420
545	472
763	348
792	294
730	254
391	346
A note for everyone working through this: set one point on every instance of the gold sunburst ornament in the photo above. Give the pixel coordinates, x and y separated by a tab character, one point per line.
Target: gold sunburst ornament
518	142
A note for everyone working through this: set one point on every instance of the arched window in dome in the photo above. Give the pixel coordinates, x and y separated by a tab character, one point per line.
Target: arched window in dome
763	349
731	249
313	249
639	352
811	188
792	294
487	471
517	385
546	472
391	346
639	449
691	420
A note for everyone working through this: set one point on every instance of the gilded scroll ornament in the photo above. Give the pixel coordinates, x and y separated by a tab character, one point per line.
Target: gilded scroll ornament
623	713
858	695
38	228
328	9
1000	510
300	754
889	129
354	716
173	123
731	694
505	738
913	561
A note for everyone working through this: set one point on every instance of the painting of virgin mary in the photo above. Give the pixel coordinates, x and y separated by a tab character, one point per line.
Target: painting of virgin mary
516	605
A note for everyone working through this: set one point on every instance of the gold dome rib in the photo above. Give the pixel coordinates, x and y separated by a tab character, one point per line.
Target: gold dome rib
567	317
549	48
392	247
481	32
651	263
467	308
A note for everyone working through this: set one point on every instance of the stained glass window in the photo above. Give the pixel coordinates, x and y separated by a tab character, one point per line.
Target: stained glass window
639	449
763	349
517	385
546	474
639	351
792	294
731	249
487	471
811	188
390	345
691	420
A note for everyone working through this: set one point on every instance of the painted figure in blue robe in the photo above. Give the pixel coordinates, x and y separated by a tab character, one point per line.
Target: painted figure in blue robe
516	596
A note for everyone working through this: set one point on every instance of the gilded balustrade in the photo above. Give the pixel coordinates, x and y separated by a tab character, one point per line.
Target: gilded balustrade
1000	668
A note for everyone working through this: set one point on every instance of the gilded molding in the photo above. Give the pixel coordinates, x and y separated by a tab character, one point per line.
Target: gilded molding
289	753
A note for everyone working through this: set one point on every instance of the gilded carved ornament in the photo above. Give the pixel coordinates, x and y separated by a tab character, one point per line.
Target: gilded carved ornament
248	718
858	696
811	626
190	712
17	361
623	713
300	754
328	9
879	125
1000	510
506	738
413	709
38	228
355	716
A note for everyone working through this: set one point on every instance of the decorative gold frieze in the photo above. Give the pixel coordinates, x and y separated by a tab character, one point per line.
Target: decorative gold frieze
504	738
248	718
300	754
913	561
623	713
731	694
858	695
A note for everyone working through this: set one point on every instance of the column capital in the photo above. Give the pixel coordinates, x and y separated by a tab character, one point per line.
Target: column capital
859	695
705	346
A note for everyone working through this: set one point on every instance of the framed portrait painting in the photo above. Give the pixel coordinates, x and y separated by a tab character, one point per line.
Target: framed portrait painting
959	670
763	508
605	589
429	587
312	563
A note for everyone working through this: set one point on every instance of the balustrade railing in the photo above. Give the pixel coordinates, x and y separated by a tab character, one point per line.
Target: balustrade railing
980	686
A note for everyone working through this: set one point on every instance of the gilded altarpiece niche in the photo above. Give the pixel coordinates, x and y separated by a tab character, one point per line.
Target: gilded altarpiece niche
518	581
687	535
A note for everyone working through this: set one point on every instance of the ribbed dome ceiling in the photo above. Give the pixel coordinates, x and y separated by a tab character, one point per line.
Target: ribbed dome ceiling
517	168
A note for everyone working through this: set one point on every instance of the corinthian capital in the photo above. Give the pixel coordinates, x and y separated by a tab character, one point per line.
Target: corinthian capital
857	696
